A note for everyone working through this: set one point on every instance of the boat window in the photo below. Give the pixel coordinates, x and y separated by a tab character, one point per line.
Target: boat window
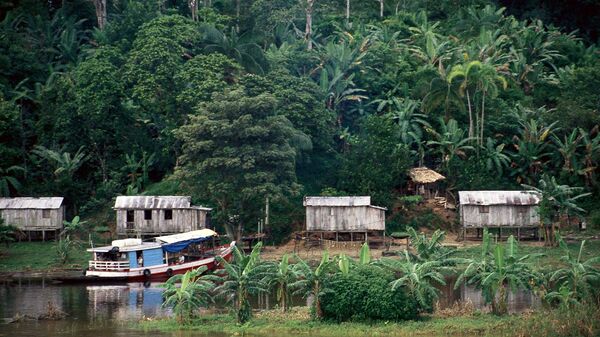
168	214
130	216
484	209
147	215
46	213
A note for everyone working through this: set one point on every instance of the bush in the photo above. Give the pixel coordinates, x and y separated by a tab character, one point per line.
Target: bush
365	294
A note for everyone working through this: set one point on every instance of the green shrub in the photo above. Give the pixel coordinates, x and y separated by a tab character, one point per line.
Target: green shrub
365	294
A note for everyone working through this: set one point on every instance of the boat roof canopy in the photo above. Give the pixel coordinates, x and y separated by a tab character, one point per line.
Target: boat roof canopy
178	242
128	248
199	234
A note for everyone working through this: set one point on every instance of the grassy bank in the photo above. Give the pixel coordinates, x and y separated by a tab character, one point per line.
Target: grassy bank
582	322
38	256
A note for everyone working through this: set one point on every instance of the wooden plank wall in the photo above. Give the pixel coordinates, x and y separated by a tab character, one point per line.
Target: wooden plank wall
342	219
499	215
33	220
184	220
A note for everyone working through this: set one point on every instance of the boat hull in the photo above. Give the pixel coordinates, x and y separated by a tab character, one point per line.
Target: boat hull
156	273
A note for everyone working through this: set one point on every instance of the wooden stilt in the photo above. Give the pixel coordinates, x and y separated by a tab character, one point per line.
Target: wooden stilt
518	234
351	236
43	236
336	237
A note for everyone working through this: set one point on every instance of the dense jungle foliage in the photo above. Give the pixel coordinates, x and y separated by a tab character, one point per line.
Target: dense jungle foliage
236	101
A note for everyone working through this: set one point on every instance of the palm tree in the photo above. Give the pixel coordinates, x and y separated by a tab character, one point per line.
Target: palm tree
591	148
410	122
556	200
238	47
8	181
568	149
495	158
450	142
310	282
487	79
65	164
496	271
192	293
240	279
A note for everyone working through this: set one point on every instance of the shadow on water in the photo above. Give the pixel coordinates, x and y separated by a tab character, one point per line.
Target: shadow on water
108	310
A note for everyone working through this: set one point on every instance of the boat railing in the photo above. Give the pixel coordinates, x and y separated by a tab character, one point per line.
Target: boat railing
109	265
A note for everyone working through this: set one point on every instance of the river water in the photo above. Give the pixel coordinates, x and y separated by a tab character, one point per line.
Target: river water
109	310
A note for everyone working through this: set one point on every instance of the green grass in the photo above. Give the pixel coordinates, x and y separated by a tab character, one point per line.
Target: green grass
298	323
39	256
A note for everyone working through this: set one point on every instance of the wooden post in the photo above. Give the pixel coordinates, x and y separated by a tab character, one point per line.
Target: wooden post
43	235
351	236
367	237
336	236
518	233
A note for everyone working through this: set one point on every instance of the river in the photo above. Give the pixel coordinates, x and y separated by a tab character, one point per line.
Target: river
109	310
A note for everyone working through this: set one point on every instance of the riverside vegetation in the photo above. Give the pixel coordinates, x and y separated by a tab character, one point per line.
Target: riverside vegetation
236	101
394	289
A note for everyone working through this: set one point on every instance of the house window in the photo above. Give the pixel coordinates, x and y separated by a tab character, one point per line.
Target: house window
168	214
130	216
46	213
147	214
521	210
484	209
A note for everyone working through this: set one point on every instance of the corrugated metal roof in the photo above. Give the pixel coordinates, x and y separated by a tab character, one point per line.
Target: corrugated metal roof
498	197
337	201
31	203
153	202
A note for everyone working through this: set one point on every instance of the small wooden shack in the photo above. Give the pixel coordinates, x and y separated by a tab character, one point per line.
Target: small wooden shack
343	215
499	209
424	182
156	215
34	216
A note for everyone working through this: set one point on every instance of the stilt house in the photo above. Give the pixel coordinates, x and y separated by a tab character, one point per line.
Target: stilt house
34	216
344	215
156	215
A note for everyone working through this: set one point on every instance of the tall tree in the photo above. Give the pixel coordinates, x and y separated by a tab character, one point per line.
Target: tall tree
236	151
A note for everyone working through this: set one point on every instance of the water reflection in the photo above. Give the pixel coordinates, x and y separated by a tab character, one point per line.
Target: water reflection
106	310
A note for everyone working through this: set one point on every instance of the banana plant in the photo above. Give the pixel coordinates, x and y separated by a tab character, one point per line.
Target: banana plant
282	275
497	271
575	280
310	281
417	277
193	292
239	279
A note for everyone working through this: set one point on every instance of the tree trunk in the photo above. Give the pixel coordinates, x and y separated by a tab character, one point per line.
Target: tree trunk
470	115
347	10
100	12
193	4
381	8
482	118
237	15
308	30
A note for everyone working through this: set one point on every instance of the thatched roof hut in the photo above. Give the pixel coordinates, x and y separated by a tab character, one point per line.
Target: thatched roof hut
424	181
424	175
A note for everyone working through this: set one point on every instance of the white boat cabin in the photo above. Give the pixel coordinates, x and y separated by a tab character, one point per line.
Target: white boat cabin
127	254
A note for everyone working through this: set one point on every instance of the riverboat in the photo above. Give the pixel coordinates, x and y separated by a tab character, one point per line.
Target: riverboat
136	260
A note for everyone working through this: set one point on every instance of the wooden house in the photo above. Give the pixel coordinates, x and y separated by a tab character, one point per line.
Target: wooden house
499	209
34	215
424	182
344	215
156	215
